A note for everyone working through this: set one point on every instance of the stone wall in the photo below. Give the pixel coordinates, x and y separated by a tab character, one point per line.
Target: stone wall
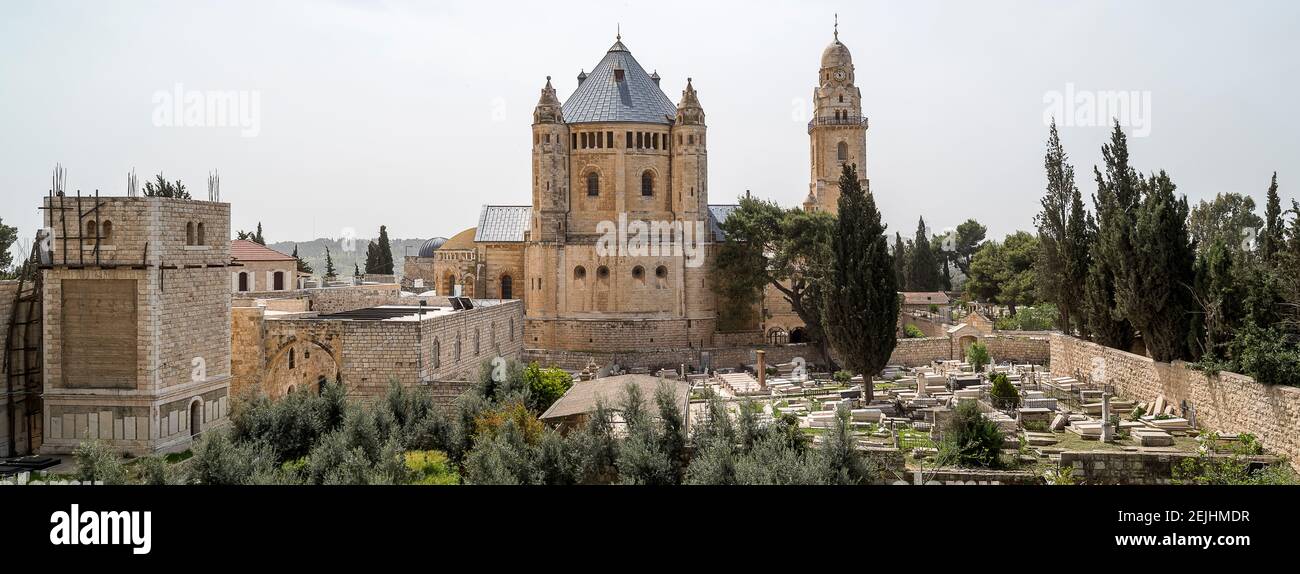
1226	402
1019	347
918	352
1119	467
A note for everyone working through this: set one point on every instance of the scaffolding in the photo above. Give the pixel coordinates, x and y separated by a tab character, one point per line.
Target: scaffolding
24	357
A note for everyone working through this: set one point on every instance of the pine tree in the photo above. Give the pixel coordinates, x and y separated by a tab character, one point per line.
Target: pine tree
330	272
1271	241
861	297
257	237
923	273
303	266
900	262
385	253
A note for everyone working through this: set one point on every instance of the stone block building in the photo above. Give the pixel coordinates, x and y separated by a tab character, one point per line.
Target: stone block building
136	351
260	268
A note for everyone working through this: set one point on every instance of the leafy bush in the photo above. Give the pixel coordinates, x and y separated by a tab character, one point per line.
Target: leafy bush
842	377
913	332
545	386
978	356
1003	395
430	467
1041	317
96	462
970	439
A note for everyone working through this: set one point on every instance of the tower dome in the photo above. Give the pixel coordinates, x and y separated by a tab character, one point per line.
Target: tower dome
427	249
836	55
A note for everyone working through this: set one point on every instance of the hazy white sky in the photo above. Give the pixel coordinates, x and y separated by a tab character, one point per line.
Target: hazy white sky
413	115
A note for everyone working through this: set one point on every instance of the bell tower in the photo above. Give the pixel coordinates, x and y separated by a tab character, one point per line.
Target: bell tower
550	167
838	130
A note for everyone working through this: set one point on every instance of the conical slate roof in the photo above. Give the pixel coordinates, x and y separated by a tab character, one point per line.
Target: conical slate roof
604	98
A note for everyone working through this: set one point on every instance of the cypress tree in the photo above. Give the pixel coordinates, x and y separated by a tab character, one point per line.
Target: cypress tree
1062	257
923	273
861	297
303	266
257	237
1116	201
1153	286
1271	241
330	272
372	258
385	253
900	262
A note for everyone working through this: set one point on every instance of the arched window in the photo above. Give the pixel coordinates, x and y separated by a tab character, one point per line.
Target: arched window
777	336
449	285
507	287
437	354
647	183
579	273
661	277
457	349
593	184
199	239
277	280
638	273
189	233
602	274
512	328
842	150
478	337
291	365
92	231
243	280
107	230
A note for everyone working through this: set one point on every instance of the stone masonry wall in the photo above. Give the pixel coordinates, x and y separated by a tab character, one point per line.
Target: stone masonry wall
1226	402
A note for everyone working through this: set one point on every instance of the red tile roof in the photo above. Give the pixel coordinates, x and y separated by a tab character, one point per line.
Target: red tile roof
244	250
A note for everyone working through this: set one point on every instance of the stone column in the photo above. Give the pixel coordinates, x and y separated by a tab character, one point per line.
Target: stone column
1107	431
762	370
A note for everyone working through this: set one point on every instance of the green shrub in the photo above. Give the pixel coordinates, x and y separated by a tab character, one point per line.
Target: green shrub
970	439
96	462
978	356
545	386
1003	395
842	377
913	332
430	467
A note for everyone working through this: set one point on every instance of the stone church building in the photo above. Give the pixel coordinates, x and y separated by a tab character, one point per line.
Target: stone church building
618	150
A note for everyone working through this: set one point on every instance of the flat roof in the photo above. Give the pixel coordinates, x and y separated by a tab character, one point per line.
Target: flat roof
391	313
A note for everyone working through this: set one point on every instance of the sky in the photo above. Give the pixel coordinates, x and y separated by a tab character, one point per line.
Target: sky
352	114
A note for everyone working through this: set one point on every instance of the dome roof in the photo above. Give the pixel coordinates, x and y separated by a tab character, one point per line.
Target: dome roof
462	240
427	249
836	55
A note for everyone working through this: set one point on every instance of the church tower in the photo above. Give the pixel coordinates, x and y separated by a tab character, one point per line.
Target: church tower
838	130
550	167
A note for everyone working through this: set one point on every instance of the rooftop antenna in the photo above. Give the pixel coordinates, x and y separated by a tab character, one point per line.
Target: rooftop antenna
837	26
214	185
132	185
618	31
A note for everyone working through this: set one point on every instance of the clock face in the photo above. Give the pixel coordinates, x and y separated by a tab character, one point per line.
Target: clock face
840	75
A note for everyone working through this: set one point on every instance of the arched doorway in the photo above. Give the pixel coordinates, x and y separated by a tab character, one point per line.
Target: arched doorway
507	287
777	336
797	336
278	281
243	281
196	418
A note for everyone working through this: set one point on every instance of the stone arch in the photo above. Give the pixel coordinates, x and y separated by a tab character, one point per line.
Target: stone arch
591	181
507	286
307	370
842	151
798	336
196	417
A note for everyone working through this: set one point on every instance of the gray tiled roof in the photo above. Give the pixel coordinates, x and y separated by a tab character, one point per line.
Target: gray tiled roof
503	223
717	215
637	98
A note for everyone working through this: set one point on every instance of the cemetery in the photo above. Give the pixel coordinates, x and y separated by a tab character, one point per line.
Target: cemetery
1051	423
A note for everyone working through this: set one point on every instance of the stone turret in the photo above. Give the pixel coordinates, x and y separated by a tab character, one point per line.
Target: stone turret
550	166
690	175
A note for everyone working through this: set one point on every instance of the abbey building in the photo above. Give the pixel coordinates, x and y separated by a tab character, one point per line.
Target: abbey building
619	156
